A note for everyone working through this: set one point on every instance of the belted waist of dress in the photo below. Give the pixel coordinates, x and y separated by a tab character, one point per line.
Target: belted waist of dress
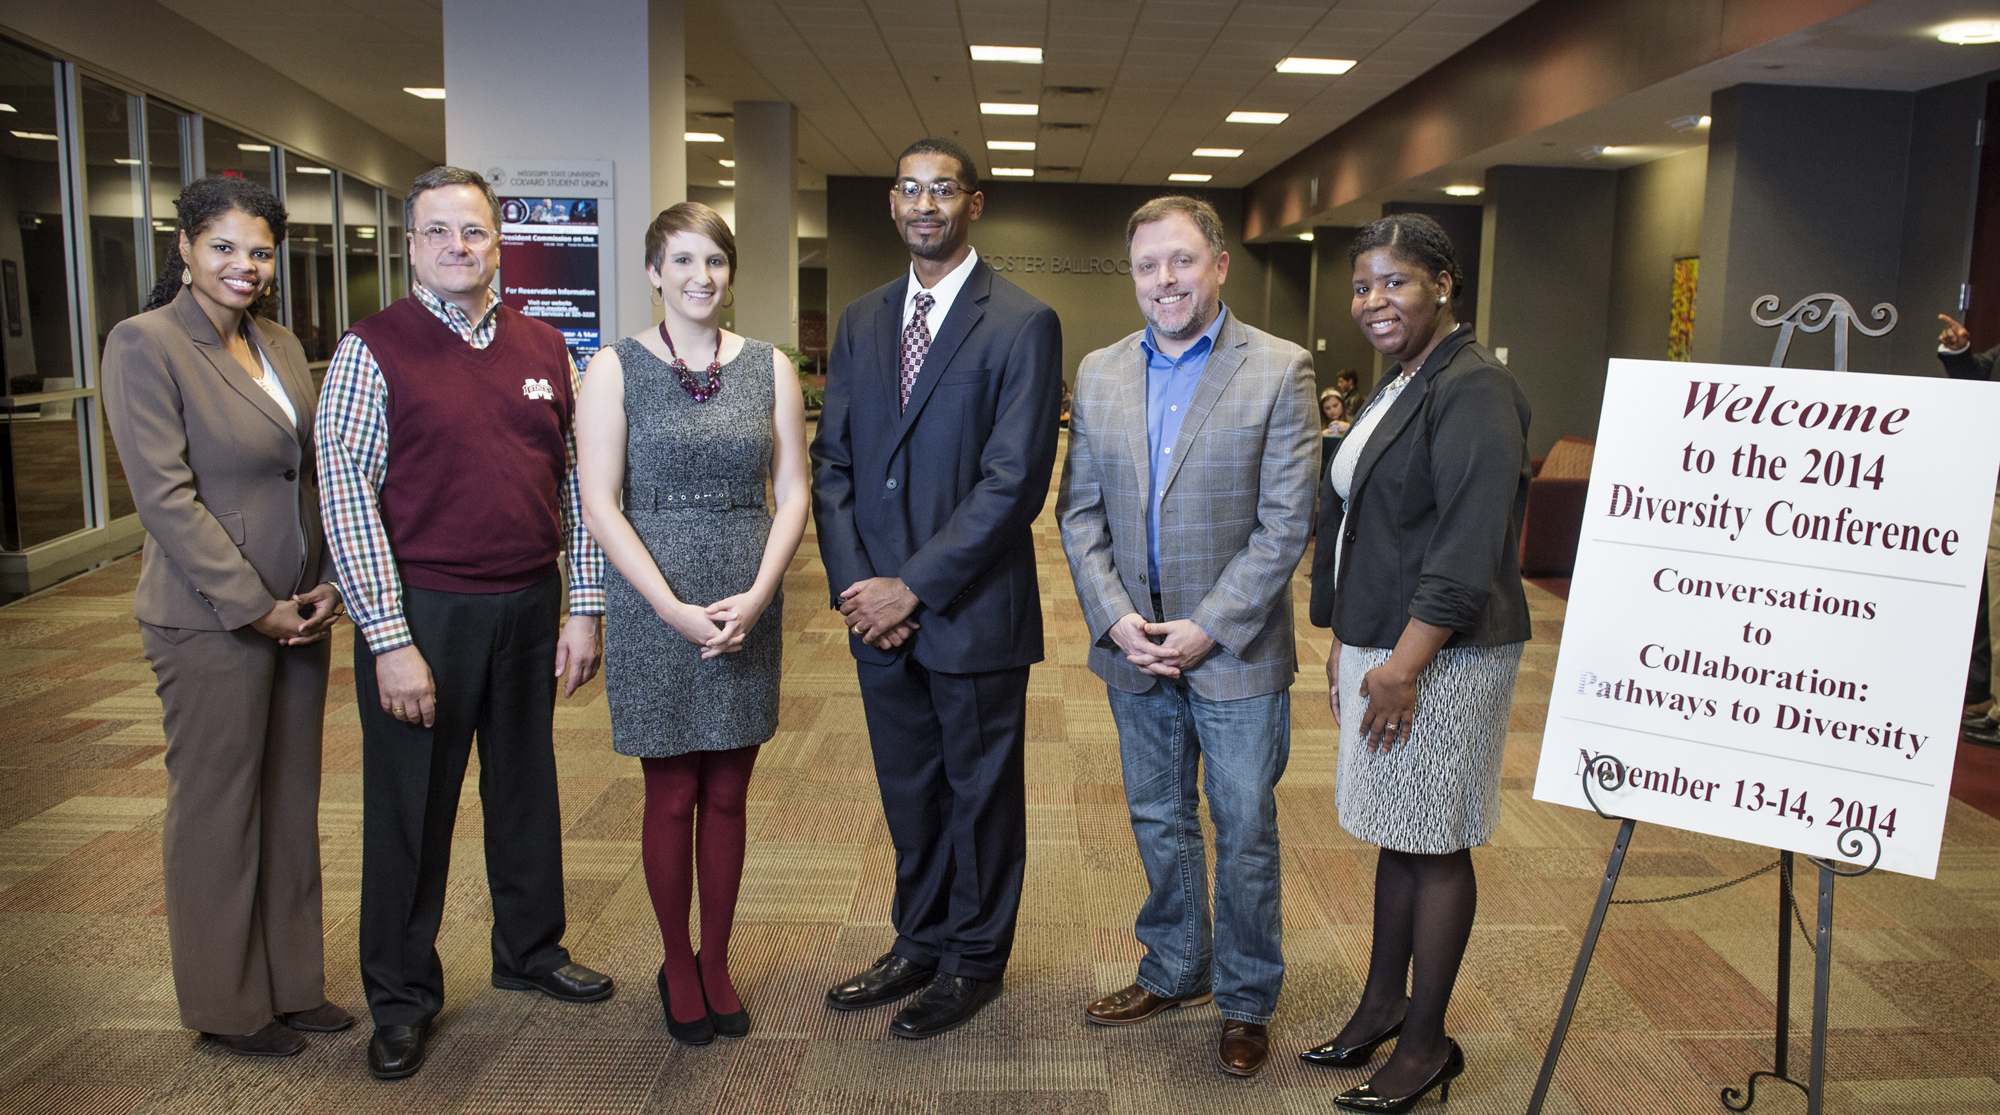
695	495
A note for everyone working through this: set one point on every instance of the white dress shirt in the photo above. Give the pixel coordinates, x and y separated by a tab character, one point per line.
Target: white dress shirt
945	293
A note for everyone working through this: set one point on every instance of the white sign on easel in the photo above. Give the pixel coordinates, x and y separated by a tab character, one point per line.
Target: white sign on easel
1773	602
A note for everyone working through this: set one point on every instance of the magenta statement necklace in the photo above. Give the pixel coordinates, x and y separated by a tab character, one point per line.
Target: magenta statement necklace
702	392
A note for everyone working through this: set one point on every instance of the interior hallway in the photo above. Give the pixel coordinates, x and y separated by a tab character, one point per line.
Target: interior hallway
1677	1006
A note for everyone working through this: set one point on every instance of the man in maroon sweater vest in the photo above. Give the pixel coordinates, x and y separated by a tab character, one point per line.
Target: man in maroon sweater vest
448	466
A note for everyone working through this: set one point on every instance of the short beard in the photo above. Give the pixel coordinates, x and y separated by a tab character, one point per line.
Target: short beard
1197	321
930	252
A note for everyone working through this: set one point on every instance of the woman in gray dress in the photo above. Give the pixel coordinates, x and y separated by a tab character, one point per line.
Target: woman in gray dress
1417	570
673	463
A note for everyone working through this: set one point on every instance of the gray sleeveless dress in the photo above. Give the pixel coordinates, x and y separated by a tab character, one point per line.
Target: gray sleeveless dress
694	491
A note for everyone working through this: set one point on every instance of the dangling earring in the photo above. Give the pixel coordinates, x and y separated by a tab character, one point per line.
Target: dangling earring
187	276
729	299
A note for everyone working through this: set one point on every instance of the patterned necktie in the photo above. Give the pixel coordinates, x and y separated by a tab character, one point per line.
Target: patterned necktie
916	342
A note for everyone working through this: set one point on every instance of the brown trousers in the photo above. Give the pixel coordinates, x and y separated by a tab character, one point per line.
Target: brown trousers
241	840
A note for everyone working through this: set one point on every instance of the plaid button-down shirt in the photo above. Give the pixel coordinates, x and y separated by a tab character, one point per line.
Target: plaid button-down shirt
353	434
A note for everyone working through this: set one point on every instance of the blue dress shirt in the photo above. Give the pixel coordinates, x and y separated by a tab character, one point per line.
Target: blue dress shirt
1170	387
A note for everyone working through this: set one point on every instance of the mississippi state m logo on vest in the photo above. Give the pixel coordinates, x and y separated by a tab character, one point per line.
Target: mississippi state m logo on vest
538	389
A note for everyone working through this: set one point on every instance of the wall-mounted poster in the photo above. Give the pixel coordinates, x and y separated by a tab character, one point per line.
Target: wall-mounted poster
1680	326
551	266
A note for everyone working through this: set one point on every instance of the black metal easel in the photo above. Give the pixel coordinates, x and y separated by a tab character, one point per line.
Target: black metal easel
1608	772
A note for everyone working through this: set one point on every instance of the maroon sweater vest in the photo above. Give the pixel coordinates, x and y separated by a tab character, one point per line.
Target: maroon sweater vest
478	456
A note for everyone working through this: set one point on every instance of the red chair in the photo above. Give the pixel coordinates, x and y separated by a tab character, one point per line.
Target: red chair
1555	508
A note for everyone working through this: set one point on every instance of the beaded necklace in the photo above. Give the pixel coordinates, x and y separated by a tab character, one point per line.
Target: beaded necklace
702	392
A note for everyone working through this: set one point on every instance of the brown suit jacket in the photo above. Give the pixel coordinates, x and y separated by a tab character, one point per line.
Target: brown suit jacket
225	485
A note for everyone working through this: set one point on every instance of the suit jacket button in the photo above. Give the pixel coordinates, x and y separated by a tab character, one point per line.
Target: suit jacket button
291	474
892	483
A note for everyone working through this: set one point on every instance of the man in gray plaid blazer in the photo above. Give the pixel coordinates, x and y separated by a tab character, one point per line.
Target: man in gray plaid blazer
1184	505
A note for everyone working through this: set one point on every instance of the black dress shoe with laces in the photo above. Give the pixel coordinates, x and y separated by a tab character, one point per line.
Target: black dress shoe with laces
887	980
396	1051
571	983
948	1003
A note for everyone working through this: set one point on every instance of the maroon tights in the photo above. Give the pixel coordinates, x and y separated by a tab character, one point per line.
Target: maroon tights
675	850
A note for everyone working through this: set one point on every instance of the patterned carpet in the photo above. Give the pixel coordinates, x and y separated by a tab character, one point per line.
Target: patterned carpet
1678	1005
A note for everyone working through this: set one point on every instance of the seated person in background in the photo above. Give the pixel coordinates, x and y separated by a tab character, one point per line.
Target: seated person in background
1348	382
1333	413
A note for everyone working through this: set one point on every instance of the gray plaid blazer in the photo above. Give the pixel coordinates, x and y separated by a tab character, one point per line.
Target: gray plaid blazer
1233	522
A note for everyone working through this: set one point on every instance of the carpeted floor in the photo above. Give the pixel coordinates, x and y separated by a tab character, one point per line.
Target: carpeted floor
1678	1006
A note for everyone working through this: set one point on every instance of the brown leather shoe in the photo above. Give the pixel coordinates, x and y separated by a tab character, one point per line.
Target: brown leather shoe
322	1019
1243	1048
274	1039
1136	1004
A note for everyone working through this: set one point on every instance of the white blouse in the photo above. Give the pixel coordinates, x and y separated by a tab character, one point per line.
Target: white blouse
1341	471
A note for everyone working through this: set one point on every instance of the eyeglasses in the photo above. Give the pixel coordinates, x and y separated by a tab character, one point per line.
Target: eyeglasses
944	189
476	239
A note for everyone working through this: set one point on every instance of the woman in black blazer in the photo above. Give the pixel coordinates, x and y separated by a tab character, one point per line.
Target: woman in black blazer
213	411
1417	570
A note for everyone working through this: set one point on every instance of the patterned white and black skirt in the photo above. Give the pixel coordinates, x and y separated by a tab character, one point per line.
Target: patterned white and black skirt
1439	790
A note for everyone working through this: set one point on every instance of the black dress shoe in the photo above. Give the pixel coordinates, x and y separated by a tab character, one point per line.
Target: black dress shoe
273	1039
396	1051
885	981
948	1003
1366	1098
699	1032
732	1025
1984	732
572	983
1349	1056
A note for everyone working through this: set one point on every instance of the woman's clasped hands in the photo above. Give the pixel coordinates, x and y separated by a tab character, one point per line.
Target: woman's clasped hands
719	628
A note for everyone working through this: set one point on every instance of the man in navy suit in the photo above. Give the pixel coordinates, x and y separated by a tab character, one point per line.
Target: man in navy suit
932	460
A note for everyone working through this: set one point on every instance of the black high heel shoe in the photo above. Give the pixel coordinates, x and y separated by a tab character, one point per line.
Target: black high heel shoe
732	1025
1349	1056
699	1032
1365	1098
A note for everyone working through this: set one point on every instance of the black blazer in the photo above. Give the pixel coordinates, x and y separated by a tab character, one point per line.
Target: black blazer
943	493
1431	529
1969	364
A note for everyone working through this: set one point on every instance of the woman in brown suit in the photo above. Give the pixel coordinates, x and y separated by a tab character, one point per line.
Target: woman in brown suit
212	410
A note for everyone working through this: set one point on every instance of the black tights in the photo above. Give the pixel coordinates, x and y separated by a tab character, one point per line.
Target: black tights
1423	918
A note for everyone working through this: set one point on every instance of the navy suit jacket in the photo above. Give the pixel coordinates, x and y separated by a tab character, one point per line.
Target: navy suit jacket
943	493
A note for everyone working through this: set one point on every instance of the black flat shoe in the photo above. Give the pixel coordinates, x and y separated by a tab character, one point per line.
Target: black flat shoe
273	1039
1365	1098
887	980
732	1025
1349	1056
397	1051
948	1003
699	1032
571	983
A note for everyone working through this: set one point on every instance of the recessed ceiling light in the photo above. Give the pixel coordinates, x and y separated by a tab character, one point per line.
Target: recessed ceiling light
32	135
1465	191
1189	177
1217	152
1010	145
429	93
702	137
1971	33
8	108
1591	152
312	170
1257	117
730	163
1029	54
259	147
1306	236
1688	123
1002	108
163	226
1013	171
726	182
365	231
1315	65
126	162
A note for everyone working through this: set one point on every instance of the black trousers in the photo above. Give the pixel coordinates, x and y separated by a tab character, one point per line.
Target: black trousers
948	756
492	658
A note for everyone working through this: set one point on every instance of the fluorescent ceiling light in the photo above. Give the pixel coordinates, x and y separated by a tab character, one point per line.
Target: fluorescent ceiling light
163	226
1189	177
1032	55
312	170
1306	236
1010	145
8	108
1971	33
702	137
126	162
32	135
258	147
1256	117
1315	65
1013	171
428	93
1217	152
1465	191
730	163
1001	108
1688	123
726	182
1591	152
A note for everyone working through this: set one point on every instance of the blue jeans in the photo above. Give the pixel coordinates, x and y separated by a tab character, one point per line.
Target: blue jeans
1241	747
